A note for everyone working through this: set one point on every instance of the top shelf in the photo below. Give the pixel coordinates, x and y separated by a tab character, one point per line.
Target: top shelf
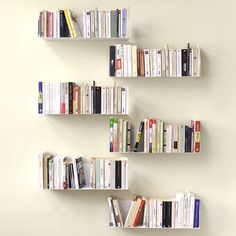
84	39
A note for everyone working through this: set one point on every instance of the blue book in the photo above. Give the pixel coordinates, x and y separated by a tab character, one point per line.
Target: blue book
40	98
124	22
196	213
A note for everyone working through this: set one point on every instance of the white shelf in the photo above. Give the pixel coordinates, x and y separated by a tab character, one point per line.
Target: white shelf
84	114
84	39
143	227
158	78
90	189
158	153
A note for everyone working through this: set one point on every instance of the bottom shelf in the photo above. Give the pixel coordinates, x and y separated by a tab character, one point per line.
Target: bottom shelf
180	212
143	227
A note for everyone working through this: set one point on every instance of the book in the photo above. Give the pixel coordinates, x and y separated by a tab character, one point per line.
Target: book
139	136
118	174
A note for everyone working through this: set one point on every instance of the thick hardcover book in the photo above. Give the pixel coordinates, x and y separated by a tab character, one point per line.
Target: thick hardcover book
114	23
98	99
184	60
166	214
112	60
40	98
64	30
196	213
70	97
80	172
139	136
117	174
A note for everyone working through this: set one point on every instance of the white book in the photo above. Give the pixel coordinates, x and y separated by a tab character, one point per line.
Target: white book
191	215
181	138
169	137
54	101
196	62
153	62
126	100
96	23
134	61
173	214
58	98
158	124
81	22
103	24
154	214
129	57
123	173
44	97
118	60
118	100
120	130
125	61
122	60
112	214
159	212
175	138
103	93
147	62
128	217
123	100
90	99
112	110
88	24
179	63
54	19
115	98
102	174
167	61
99	24
92	22
190	62
92	174
40	169
159	63
174	63
180	219
170	62
58	24
124	138
112	173
107	174
85	24
108	100
150	213
108	24
146	211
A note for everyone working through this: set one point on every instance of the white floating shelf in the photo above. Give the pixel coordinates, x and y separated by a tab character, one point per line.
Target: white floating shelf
158	78
90	189
84	39
158	153
84	114
143	227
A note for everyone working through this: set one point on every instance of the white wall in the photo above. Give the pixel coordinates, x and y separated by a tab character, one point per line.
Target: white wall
25	59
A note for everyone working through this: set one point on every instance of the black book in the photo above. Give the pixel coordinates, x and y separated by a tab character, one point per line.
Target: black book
189	139
188	59
70	97
139	136
98	99
64	30
80	172
94	97
112	68
184	60
166	214
117	174
118	23
71	176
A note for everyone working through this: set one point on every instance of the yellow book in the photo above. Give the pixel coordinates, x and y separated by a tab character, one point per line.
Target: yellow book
154	137
68	21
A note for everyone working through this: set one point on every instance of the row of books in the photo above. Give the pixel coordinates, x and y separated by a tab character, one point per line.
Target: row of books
109	173
119	135
155	136
130	61
60	172
90	24
72	98
180	212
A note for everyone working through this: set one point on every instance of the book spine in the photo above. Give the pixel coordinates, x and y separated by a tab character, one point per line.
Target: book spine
70	97
98	100
134	61
147	62
124	23
184	61
88	24
111	134
196	213
108	24
112	60
97	171
139	136
118	174
140	210
40	97
197	136
112	213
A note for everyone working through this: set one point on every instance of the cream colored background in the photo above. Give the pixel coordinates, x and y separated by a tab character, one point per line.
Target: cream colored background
25	60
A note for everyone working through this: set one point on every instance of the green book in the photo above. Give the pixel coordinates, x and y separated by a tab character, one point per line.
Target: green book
114	23
97	174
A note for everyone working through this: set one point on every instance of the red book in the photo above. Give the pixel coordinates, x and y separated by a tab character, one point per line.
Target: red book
197	136
138	215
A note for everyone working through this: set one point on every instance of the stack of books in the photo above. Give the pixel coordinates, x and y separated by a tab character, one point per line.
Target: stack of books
155	136
109	173
90	24
130	61
72	98
179	212
60	172
120	135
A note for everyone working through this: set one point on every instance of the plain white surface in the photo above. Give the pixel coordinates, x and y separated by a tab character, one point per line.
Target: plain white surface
25	60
